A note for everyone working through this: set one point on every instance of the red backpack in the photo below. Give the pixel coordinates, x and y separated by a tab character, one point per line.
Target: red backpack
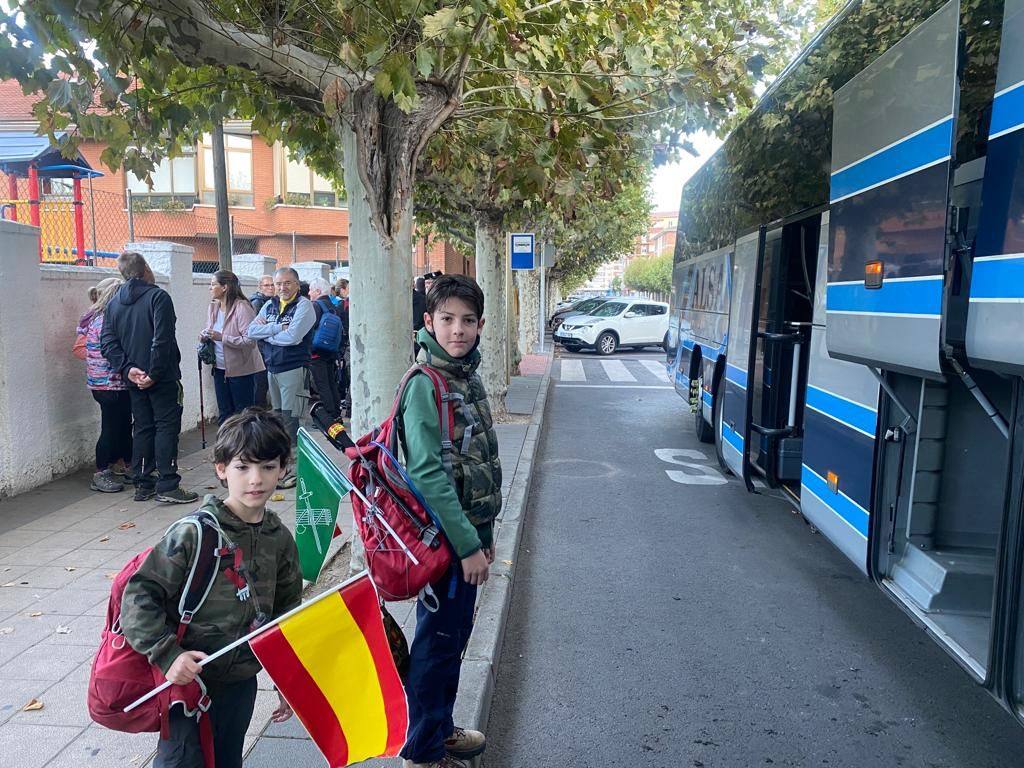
120	674
406	550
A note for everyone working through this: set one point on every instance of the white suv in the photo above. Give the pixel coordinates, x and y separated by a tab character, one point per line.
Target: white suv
616	323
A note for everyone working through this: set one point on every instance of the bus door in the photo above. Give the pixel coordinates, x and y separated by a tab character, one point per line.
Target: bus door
732	410
891	302
783	311
995	327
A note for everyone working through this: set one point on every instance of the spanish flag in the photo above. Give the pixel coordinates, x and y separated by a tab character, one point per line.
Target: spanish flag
331	661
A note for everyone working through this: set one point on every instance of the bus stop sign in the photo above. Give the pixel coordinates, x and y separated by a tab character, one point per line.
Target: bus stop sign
522	249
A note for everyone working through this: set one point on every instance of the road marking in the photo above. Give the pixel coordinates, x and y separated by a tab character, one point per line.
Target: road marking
698	474
656	368
572	370
612	386
616	370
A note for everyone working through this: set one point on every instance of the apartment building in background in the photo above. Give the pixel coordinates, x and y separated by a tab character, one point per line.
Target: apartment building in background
279	206
660	236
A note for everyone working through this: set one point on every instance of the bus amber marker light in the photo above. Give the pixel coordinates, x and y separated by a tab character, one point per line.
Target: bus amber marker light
833	482
873	274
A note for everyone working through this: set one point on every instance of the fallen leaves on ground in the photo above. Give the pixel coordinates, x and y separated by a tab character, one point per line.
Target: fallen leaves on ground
32	706
63	629
70	568
126	526
104	538
277	497
6	630
112	575
35	614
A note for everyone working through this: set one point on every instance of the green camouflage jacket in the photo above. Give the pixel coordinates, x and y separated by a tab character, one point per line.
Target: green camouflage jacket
468	509
149	609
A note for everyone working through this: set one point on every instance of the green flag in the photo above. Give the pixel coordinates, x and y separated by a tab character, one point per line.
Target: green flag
320	488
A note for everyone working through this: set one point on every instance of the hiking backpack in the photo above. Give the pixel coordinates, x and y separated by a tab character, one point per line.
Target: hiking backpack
327	337
406	550
120	675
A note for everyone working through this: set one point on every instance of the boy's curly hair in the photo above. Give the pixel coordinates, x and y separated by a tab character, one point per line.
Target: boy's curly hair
253	435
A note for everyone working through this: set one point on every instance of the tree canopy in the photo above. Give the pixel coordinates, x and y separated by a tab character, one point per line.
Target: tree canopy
650	273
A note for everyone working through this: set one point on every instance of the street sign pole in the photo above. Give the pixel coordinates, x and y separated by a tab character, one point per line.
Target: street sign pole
543	313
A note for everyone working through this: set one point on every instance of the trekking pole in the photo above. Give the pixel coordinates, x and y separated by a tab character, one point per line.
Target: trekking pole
202	409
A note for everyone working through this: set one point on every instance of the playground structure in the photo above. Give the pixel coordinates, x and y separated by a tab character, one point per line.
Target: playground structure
45	189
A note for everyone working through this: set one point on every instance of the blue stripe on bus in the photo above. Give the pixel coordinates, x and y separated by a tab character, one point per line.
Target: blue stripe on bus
682	379
707	351
1007	111
736	375
855	415
914	152
706	397
732	437
999	278
856	517
921	296
832	446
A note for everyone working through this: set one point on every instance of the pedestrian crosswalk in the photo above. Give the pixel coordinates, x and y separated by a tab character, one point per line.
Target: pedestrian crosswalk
604	372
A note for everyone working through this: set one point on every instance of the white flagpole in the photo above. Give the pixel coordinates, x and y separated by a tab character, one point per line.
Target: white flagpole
231	646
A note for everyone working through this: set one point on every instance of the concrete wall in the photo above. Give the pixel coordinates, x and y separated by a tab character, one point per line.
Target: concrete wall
48	419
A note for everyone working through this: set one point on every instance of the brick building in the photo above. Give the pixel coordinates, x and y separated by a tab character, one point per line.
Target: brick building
660	236
279	207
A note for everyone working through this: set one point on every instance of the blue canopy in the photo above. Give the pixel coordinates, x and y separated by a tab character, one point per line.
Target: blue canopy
19	150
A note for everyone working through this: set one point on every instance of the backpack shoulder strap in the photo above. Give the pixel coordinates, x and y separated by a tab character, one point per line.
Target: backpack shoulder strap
210	542
445	414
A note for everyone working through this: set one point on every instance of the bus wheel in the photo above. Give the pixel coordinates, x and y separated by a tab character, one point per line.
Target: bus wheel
705	432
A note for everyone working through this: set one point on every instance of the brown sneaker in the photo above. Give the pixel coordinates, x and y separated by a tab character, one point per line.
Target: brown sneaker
465	744
445	762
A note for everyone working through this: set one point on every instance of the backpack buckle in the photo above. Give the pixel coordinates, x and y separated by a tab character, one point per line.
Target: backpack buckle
186	617
447	445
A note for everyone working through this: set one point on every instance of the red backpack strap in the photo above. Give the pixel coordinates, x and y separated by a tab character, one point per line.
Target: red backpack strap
445	413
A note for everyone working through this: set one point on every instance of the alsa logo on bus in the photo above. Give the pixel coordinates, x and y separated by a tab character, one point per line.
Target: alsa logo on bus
708	281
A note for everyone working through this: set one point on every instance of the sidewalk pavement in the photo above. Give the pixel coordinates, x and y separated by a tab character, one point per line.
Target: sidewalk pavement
62	544
288	744
60	547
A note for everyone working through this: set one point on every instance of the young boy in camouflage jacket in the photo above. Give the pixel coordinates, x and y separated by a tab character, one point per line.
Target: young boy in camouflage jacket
466	502
250	455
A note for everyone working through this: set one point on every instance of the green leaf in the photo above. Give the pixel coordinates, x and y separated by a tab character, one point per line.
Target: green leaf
439	24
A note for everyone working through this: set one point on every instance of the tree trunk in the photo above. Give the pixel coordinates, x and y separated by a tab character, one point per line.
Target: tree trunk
491	275
380	312
528	285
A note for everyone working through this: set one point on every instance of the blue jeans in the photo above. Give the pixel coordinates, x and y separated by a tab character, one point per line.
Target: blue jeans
234	393
435	660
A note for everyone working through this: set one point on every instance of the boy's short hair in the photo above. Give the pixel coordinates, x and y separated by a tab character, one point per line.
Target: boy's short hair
254	435
455	287
131	264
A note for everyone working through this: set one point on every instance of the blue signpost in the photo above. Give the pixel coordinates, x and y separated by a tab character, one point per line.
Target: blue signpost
522	248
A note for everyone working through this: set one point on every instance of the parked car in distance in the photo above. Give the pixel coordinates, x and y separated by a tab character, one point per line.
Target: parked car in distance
579	308
616	323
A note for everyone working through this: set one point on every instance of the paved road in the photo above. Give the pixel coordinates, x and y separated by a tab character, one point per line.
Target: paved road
662	623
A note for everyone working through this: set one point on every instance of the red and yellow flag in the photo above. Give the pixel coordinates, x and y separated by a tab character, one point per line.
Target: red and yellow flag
332	663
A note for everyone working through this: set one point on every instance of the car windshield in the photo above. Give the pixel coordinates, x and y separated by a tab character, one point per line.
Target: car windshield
611	309
589	304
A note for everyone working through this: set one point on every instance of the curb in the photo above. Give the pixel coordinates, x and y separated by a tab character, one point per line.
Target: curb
480	662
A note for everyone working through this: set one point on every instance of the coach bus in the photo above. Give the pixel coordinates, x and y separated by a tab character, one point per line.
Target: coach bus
848	310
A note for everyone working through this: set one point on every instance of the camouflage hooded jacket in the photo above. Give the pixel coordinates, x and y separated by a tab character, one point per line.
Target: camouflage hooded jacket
149	609
468	502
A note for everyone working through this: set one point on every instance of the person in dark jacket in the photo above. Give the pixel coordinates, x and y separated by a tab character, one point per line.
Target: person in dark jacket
419	303
323	364
264	294
284	329
345	363
139	343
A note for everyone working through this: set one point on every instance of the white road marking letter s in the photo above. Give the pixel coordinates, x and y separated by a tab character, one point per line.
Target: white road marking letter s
696	474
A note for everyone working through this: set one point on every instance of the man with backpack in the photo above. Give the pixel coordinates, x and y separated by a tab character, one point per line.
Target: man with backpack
284	329
326	346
